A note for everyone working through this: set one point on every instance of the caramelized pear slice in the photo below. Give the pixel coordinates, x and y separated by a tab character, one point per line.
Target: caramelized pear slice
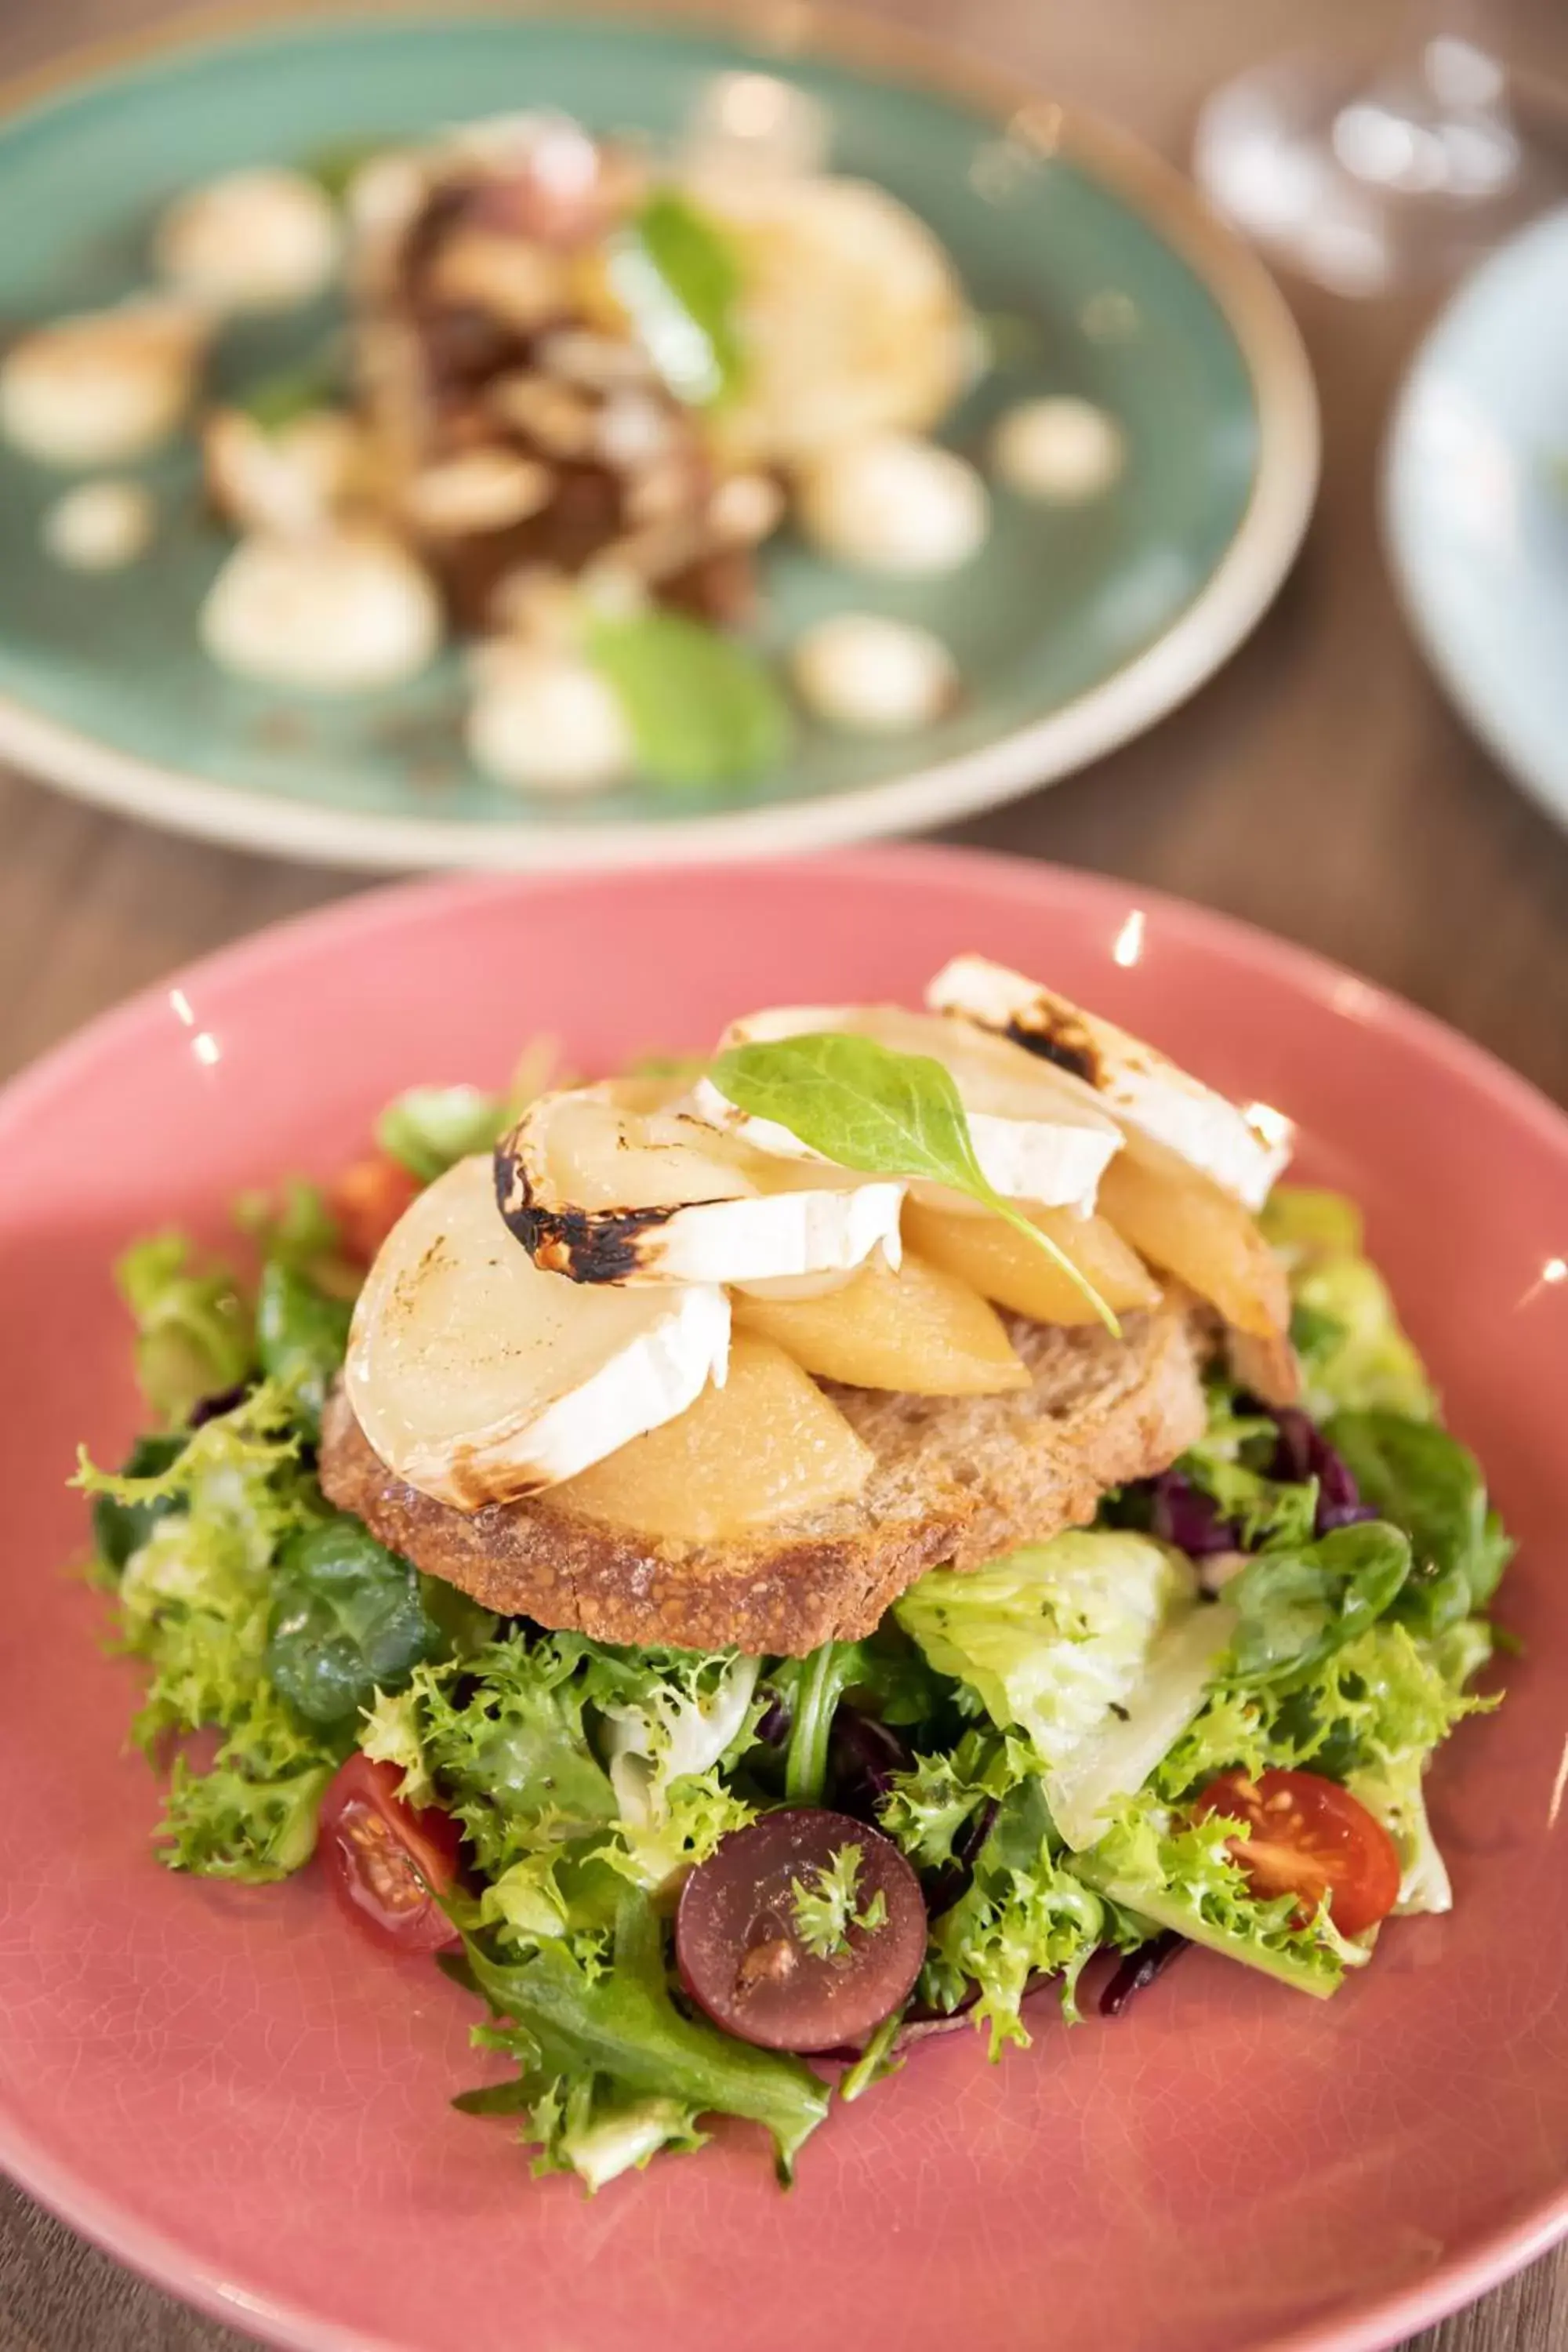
918	1330
995	1260
767	1445
1181	1221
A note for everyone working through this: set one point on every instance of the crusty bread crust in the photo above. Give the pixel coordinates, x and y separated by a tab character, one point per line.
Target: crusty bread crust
958	1479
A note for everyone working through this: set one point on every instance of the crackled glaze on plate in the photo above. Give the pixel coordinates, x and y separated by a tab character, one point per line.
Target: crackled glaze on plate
1073	628
232	2091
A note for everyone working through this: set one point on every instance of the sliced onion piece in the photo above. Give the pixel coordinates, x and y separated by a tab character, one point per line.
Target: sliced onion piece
478	1377
596	1187
1151	1097
1037	1136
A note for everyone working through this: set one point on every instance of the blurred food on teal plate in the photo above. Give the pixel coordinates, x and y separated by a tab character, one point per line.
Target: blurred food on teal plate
583	383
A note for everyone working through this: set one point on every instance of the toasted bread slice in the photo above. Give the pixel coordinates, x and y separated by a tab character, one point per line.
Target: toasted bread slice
958	1479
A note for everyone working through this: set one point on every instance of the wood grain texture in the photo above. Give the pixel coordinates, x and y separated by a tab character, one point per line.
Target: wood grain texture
1319	787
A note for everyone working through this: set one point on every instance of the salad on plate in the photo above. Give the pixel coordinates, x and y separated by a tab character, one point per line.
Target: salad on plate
901	1522
573	387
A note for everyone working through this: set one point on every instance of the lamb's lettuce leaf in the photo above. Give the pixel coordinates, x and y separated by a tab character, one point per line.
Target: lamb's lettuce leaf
347	1617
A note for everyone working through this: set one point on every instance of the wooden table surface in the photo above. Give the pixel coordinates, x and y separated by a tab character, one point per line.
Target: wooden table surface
1319	787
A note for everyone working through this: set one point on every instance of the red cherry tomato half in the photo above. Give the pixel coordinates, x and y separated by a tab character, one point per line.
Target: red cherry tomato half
388	1863
742	1955
367	1198
1307	1836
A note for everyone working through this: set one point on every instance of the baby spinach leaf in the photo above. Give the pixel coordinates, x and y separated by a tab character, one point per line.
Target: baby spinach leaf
347	1619
1431	1485
882	1113
1298	1604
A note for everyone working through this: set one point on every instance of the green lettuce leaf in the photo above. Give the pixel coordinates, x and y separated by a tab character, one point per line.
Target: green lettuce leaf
885	1676
1179	1875
1381	1698
430	1129
827	1906
227	1823
194	1600
194	1332
1225	1464
693	1813
565	1746
1112	1765
393	1732
669	1714
301	1333
927	1810
1371	1716
1095	1645
1052	1636
294	1227
1023	1915
508	1747
1346	1330
118	1529
598	2047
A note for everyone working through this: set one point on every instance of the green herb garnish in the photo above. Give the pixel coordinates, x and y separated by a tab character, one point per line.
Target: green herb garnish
678	277
702	710
273	402
864	1107
335	169
825	1911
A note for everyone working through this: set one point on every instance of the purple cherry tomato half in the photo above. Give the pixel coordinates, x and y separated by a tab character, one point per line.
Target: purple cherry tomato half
744	1951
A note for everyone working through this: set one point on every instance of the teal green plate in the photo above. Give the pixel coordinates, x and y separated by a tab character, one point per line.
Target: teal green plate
1073	629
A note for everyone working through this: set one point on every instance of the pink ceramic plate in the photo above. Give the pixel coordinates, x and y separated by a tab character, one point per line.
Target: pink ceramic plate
232	2092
